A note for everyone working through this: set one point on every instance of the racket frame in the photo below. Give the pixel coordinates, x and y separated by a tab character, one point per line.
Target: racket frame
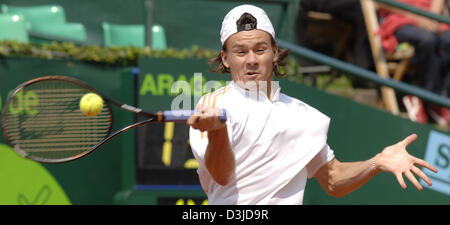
160	116
104	139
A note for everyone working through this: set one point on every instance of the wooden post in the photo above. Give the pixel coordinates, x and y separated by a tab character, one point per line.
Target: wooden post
370	18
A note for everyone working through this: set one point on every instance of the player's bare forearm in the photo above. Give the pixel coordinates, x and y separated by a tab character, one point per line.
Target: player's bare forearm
219	158
341	178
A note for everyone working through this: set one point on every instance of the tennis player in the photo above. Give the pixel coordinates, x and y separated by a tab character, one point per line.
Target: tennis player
272	143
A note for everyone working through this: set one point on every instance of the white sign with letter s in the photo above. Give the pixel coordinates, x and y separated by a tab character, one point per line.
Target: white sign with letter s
438	154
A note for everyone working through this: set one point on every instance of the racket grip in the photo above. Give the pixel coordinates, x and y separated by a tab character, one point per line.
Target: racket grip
183	115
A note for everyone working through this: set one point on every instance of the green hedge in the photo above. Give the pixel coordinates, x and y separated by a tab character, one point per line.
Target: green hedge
128	56
119	56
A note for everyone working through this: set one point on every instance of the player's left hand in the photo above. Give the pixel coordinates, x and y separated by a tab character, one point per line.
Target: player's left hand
395	159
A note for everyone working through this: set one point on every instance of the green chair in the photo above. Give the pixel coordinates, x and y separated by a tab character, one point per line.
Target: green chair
133	35
13	27
47	23
44	14
66	32
123	35
158	37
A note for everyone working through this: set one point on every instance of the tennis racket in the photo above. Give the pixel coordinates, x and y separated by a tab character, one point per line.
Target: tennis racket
42	121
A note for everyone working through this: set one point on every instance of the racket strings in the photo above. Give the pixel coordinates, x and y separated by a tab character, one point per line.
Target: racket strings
45	121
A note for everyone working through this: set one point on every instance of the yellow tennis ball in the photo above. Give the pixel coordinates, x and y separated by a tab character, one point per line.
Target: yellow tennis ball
91	104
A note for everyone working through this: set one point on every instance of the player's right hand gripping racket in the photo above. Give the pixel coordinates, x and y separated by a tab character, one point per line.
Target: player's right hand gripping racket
42	120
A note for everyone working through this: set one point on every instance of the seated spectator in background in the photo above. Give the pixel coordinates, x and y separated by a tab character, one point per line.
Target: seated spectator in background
345	10
431	41
445	52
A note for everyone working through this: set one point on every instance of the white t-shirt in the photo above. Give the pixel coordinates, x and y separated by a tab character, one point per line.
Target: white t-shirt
277	145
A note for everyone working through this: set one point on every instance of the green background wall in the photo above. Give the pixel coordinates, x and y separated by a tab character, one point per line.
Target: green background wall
186	22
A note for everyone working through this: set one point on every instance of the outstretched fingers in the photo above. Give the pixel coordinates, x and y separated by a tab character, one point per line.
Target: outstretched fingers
410	177
400	180
400	163
425	164
408	140
422	175
413	180
409	174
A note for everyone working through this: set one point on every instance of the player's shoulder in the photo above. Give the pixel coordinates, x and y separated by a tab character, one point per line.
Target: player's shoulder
298	103
308	111
291	100
216	97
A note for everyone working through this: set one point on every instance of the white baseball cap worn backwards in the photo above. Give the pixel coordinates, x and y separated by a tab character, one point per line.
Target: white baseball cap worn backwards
229	26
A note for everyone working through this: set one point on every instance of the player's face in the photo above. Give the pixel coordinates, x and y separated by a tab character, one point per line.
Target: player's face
250	56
